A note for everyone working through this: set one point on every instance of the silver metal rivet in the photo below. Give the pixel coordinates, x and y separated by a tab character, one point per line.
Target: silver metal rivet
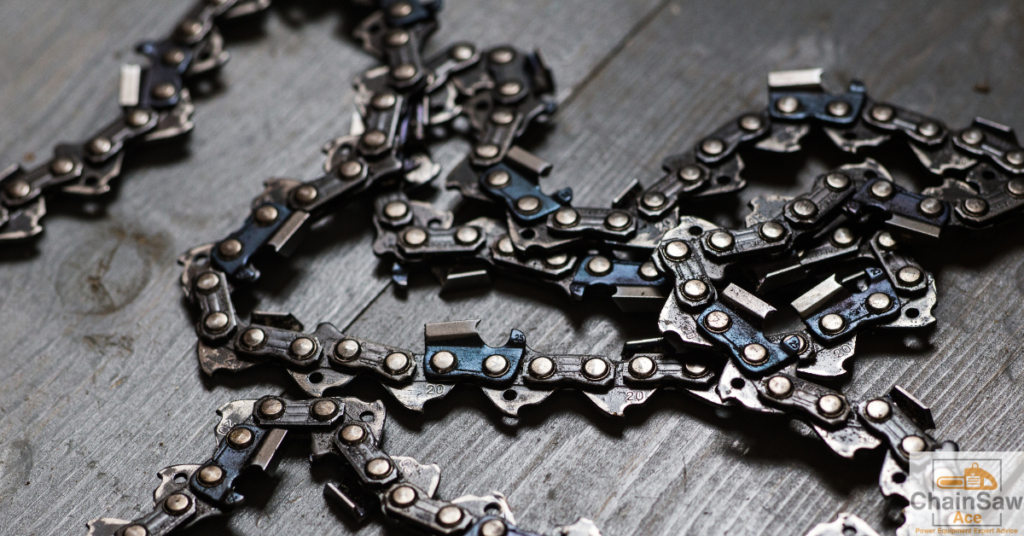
929	129
648	271
230	248
717	321
190	27
557	260
378	468
174	56
210	475
695	370
449	516
467	235
502	117
347	349
383	101
60	166
404	71
721	240
240	437
976	206
803	208
352	433
695	289
17	189
499	179
487	150
879	302
832	323
843	237
654	199
443	361
164	91
401	9
780	386
838	108
1015	158
972	136
207	281
677	250
100	145
495	365
642	367
1015	188
878	410
462	52
253	338
886	241
504	246
323	410
912	444
599	265
135	530
510	89
617	220
751	123
690	173
396	363
138	118
787	105
306	193
397	38
712	146
930	206
414	236
493	527
595	368
882	190
271	408
502	56
403	496
910	275
216	322
396	210
837	181
302	347
567	217
830	405
528	204
266	214
177	504
755	354
351	169
772	231
883	113
542	367
375	138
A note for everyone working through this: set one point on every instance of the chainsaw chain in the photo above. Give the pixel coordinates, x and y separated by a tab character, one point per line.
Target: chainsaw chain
346	430
840	252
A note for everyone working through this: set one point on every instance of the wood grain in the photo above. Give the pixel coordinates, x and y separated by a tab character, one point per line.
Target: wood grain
99	385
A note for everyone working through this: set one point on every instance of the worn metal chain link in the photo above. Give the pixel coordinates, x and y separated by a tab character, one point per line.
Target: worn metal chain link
345	429
839	254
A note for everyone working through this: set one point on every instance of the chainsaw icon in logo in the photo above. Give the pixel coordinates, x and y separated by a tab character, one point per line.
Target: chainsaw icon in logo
974	479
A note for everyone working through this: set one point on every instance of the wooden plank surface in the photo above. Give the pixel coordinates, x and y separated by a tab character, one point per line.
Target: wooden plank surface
99	386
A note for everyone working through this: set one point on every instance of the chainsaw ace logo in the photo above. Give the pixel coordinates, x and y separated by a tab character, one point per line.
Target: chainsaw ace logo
966	493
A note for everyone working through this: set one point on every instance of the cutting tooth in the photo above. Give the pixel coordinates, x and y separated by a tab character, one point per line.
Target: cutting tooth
105	526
